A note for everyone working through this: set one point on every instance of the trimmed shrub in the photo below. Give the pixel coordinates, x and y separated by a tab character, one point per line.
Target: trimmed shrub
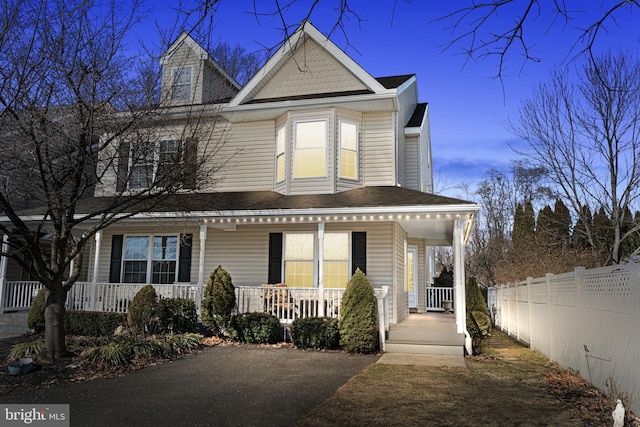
256	328
143	311
93	323
35	320
358	329
177	315
219	300
316	332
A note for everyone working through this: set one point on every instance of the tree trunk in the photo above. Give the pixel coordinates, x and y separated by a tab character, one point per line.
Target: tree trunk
54	334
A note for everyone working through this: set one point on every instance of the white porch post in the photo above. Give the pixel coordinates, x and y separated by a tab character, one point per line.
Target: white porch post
203	241
321	269
96	266
3	269
460	304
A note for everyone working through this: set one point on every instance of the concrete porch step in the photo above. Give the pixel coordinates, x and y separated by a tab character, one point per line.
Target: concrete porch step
426	337
13	324
424	348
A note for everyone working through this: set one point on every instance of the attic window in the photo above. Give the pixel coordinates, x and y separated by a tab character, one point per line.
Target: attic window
181	89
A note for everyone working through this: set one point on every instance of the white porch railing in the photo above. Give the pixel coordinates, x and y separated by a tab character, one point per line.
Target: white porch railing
17	296
435	296
285	303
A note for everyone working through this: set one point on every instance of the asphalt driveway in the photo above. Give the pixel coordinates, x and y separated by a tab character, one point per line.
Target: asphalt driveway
221	386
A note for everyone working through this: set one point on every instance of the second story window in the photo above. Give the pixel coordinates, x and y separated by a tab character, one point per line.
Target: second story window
142	158
281	141
348	150
166	163
182	84
310	149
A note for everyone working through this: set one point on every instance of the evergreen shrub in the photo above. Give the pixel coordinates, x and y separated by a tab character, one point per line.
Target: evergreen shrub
177	315
316	332
93	323
143	311
358	321
35	319
219	300
256	328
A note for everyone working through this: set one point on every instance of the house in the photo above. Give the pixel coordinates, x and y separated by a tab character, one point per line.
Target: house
325	169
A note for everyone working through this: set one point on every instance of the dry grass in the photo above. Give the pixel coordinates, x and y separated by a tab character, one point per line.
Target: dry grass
508	385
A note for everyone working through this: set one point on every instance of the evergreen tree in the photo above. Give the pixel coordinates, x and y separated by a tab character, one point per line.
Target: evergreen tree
562	218
545	227
581	229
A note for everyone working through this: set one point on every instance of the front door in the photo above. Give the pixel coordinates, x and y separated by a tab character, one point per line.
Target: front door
412	276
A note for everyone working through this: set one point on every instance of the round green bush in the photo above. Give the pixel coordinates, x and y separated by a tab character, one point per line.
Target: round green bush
316	332
35	320
256	328
358	321
143	311
219	300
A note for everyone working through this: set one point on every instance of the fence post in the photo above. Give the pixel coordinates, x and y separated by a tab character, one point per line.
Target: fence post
548	277
529	309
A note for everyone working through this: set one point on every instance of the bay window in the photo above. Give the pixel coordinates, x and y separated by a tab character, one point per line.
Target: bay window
280	153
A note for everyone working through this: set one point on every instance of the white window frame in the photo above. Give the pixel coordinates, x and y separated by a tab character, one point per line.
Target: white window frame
356	152
349	257
316	250
281	154
298	173
176	94
150	256
137	161
156	161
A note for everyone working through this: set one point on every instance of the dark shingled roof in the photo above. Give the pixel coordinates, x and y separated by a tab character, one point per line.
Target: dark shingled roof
366	197
393	82
418	116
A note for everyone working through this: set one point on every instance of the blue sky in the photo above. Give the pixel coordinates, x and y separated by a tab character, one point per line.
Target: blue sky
469	109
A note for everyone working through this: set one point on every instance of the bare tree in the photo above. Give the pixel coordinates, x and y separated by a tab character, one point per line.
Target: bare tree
77	116
584	130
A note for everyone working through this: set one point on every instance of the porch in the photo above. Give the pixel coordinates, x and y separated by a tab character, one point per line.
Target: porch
426	333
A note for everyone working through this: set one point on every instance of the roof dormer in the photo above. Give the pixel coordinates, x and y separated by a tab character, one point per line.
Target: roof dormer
191	76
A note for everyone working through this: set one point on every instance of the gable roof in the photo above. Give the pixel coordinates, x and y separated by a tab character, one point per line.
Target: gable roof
285	57
186	39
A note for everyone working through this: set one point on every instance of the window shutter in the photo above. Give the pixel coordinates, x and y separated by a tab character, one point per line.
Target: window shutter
116	258
359	251
190	163
123	167
184	263
275	258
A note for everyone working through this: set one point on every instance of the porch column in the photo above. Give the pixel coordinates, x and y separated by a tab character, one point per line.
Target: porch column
321	269
96	266
3	269
203	241
460	304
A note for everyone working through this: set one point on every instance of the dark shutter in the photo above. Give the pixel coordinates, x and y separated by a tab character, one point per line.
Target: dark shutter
184	263
359	251
123	167
116	258
275	258
190	163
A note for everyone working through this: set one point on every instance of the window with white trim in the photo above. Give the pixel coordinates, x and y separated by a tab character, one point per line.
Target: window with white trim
348	150
142	160
299	260
336	260
281	142
150	259
150	165
310	149
182	84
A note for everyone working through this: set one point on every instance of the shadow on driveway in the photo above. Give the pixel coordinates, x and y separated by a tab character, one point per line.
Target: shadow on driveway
222	386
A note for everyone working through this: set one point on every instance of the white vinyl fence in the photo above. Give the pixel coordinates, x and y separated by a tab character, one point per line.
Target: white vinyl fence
586	320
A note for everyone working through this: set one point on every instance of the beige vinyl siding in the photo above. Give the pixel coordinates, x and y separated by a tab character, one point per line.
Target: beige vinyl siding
378	154
407	101
401	297
310	71
250	149
412	163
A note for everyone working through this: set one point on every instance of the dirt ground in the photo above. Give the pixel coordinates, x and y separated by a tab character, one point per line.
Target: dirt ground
508	385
